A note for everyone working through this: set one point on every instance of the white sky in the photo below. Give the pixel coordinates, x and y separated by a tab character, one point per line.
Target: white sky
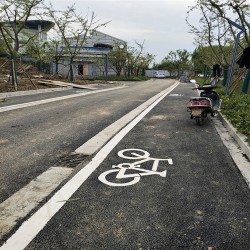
159	23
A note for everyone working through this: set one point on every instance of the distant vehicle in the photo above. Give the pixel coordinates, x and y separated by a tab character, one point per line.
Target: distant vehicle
184	78
159	75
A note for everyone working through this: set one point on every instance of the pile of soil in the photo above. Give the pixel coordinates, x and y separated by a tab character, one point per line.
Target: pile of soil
22	85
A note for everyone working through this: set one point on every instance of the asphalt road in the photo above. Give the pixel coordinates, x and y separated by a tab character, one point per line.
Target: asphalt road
182	189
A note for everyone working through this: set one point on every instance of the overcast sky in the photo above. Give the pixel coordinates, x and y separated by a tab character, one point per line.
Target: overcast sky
160	24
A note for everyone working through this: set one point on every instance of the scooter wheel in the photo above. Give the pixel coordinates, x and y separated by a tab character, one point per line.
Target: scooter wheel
199	120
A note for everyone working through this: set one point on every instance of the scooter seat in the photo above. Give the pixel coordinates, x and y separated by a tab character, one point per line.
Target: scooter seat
199	98
199	102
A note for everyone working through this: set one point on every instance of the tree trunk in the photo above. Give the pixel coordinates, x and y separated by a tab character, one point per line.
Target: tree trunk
71	71
13	73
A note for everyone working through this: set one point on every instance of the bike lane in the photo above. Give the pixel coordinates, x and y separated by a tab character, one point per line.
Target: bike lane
194	198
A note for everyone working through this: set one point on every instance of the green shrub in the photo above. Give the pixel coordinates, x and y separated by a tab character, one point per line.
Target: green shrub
199	80
237	110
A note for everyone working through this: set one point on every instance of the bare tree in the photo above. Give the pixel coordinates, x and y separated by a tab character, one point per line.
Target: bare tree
13	17
138	60
55	52
214	30
73	30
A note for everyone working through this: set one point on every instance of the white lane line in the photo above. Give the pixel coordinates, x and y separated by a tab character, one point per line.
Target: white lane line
23	201
35	103
30	228
96	142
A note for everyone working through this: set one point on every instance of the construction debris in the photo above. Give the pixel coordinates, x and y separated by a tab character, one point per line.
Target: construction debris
24	68
38	76
64	84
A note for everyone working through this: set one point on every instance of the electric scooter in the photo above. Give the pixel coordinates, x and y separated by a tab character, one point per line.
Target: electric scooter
208	103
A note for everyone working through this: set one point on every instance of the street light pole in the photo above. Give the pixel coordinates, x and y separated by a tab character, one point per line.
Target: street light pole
242	30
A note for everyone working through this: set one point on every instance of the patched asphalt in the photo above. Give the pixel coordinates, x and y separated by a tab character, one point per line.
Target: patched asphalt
201	203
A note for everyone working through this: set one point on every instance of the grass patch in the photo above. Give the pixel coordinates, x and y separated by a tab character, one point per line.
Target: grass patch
236	108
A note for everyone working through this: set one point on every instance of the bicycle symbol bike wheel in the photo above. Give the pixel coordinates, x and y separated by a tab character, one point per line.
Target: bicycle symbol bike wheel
109	173
134	152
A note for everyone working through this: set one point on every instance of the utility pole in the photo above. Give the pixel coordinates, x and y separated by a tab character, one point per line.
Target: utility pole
230	74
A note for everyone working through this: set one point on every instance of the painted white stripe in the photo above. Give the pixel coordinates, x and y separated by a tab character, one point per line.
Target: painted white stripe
30	228
23	201
35	103
96	142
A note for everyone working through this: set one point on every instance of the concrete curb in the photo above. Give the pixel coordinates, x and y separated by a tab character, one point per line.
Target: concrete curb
238	137
4	95
30	92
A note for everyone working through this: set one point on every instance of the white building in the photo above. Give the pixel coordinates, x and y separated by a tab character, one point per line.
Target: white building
36	29
97	46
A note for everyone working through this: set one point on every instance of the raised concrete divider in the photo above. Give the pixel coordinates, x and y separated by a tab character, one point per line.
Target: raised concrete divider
30	92
238	137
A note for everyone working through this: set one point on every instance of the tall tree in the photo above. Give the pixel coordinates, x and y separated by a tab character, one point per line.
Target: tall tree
118	58
214	28
180	59
131	60
138	60
166	64
13	17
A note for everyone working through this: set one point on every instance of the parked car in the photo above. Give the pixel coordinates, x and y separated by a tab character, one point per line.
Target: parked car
159	75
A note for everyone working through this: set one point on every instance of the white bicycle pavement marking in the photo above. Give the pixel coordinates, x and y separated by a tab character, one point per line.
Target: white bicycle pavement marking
135	166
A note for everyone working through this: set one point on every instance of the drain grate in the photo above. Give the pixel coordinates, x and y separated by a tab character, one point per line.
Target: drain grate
71	161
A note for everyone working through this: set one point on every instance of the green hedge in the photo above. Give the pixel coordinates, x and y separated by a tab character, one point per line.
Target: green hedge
237	110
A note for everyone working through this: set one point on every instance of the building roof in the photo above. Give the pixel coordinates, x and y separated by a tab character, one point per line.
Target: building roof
33	24
105	40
